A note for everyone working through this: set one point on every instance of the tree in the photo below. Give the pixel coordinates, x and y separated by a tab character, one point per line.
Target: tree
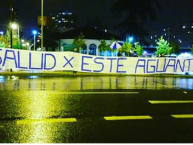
175	47
138	49
192	49
51	38
135	13
126	48
2	41
80	42
163	47
5	40
103	46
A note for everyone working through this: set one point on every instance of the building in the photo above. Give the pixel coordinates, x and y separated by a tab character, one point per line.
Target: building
64	20
92	35
185	28
184	40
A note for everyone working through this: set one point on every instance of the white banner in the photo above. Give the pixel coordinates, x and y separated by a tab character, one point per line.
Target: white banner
61	61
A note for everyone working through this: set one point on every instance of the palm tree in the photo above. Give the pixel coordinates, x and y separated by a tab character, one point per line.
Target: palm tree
137	13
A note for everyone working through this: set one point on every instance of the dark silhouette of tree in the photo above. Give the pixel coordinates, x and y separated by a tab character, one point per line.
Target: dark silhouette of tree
175	47
136	14
51	38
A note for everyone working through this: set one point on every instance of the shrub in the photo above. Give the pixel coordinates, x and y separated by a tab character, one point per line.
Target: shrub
163	47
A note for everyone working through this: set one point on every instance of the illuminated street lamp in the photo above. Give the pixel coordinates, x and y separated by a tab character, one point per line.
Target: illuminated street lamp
1	33
14	26
130	39
34	33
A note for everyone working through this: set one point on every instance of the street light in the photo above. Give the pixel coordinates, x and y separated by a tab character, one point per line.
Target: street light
14	26
1	33
34	33
131	39
42	24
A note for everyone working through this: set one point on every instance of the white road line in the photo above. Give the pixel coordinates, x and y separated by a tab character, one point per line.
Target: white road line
183	116
59	120
127	118
171	102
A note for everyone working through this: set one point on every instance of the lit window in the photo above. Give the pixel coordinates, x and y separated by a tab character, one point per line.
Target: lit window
53	18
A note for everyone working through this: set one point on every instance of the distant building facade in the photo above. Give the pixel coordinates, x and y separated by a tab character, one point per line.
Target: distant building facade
93	36
185	28
65	20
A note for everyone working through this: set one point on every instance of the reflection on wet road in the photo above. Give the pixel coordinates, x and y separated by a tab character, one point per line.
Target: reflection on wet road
92	83
96	110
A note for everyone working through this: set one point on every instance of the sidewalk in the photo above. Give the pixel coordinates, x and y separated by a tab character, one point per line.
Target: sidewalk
70	73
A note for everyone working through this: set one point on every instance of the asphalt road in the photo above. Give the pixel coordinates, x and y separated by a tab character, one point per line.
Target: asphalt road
79	110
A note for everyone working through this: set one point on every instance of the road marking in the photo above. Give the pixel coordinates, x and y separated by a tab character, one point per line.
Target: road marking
128	118
183	116
171	102
90	93
30	121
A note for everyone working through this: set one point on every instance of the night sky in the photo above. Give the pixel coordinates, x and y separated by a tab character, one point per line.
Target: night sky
172	12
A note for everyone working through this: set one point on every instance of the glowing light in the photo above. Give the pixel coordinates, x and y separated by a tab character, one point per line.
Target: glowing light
33	77
131	39
1	33
2	79
14	26
34	32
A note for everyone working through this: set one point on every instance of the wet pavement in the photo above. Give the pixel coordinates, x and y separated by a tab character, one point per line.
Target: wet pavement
96	109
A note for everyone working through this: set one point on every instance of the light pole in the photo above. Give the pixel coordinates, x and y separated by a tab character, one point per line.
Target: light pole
42	23
34	33
168	35
14	26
